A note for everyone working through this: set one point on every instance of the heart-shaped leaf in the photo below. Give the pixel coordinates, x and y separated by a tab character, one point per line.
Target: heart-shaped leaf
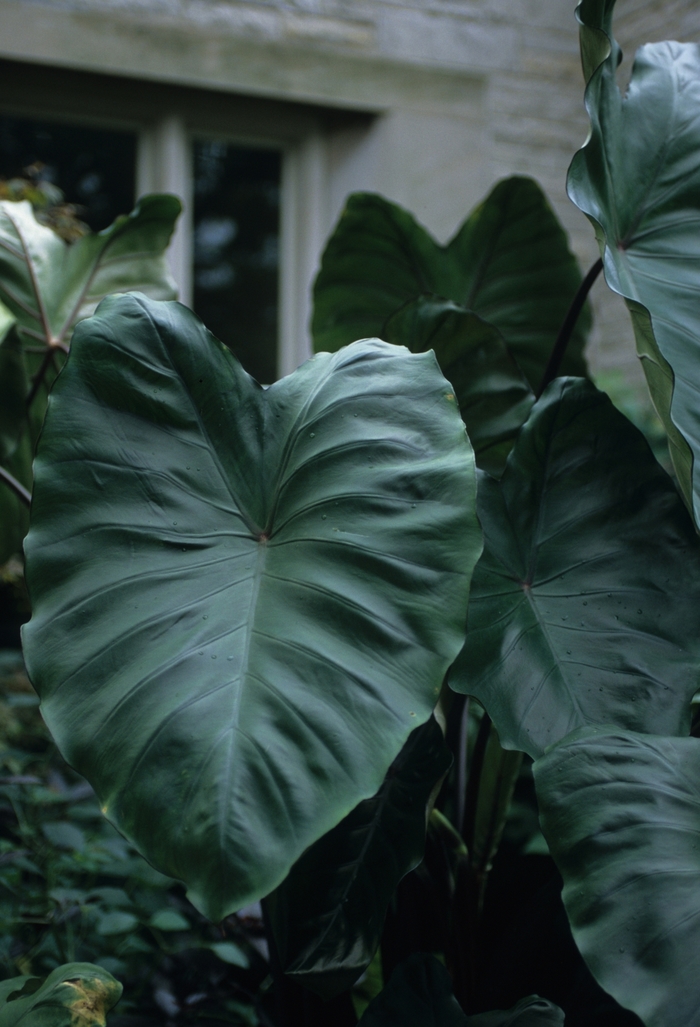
621	814
328	915
244	599
585	606
419	994
74	995
638	180
493	395
509	263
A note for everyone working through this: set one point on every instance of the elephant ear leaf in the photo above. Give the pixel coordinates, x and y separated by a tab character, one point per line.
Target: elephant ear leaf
585	606
73	995
509	263
493	394
621	814
327	917
638	181
419	994
263	588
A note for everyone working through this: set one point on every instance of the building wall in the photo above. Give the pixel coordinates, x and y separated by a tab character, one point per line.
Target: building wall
455	93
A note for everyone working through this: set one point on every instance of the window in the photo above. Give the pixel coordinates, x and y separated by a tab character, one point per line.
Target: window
253	175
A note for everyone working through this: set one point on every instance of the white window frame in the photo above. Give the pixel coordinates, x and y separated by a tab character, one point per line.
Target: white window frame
167	119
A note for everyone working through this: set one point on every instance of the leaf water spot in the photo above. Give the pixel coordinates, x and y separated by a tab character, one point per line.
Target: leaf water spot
312	434
323	517
354	415
639	611
213	656
205	616
585	603
411	714
229	658
413	506
568	652
200	652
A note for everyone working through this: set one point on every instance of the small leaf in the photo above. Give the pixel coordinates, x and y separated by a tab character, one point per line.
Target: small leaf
74	995
585	606
263	588
64	835
327	917
638	181
621	814
169	920
509	263
116	923
493	395
228	952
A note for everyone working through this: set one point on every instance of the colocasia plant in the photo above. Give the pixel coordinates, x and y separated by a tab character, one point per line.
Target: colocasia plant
283	631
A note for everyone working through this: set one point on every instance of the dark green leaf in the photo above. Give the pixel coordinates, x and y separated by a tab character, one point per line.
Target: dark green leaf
328	915
260	587
638	180
419	994
621	813
169	920
74	995
509	263
585	606
493	395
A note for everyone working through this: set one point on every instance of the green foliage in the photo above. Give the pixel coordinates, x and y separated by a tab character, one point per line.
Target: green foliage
248	603
73	889
509	263
327	916
74	995
628	851
420	995
47	285
638	180
493	395
585	606
286	525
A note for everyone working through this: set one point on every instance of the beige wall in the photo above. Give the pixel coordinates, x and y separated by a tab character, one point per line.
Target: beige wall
463	92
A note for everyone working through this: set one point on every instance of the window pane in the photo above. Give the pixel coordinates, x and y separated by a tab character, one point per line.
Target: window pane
94	168
236	244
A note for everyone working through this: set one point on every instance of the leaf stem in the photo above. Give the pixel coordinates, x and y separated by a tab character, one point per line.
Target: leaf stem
567	328
18	489
40	375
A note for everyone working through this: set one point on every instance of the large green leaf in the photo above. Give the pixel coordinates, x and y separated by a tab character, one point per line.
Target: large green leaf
328	915
245	599
13	385
638	180
509	263
585	606
419	994
74	995
493	395
621	813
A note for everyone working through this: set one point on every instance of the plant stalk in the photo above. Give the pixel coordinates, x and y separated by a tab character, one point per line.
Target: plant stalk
16	486
567	328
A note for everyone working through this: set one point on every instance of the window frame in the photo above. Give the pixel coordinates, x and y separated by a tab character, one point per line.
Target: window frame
166	119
